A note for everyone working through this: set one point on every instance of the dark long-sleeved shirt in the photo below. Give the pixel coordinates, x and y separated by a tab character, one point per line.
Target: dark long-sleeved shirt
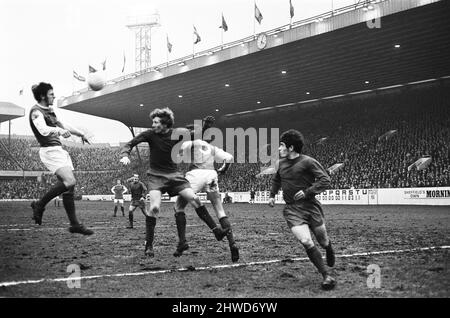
138	190
160	149
302	173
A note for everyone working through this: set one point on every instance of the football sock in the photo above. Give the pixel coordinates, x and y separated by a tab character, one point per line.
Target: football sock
329	247
180	220
150	223
115	210
69	205
123	211
204	215
226	225
54	191
130	218
316	258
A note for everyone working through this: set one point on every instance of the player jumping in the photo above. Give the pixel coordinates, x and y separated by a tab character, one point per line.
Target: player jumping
138	191
47	129
203	177
301	178
119	190
164	175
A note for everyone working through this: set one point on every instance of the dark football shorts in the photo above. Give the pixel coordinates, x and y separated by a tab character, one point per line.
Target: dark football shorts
171	183
304	212
138	204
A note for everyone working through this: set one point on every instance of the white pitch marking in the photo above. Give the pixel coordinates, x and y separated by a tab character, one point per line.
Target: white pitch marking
204	268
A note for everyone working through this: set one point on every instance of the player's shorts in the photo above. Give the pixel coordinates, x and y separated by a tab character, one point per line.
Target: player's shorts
55	157
118	201
172	183
203	180
138	204
304	212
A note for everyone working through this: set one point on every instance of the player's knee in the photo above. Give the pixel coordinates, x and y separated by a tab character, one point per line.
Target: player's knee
70	182
323	241
154	209
307	242
195	201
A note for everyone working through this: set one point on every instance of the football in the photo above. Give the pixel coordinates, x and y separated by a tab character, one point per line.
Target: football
96	81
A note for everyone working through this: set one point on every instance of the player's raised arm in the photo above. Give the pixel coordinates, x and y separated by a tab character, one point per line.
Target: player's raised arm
323	180
72	130
223	156
126	150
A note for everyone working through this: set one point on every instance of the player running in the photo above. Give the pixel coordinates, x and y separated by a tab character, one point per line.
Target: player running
164	175
204	178
138	191
47	129
119	190
301	178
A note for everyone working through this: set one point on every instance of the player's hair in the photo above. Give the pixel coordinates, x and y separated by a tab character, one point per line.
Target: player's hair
40	90
166	116
293	138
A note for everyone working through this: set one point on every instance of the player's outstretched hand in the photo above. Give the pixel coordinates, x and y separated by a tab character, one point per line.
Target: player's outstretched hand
299	195
272	202
85	140
125	161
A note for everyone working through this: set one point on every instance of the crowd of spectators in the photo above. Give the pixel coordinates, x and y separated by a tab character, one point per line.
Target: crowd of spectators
352	133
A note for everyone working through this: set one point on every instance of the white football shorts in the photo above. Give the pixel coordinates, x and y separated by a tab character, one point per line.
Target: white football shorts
118	201
203	180
55	157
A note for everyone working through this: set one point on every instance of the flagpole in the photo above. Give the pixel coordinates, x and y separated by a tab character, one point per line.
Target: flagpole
254	18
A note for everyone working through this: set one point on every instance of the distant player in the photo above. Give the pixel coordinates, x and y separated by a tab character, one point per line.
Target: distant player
252	196
204	178
58	199
119	190
164	175
138	191
47	129
301	178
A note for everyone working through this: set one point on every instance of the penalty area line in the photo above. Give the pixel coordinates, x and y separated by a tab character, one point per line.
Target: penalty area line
208	268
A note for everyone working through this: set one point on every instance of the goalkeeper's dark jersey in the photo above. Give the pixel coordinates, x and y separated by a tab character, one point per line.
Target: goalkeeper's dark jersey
137	190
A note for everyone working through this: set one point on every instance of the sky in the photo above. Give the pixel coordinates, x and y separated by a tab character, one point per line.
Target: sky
46	40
